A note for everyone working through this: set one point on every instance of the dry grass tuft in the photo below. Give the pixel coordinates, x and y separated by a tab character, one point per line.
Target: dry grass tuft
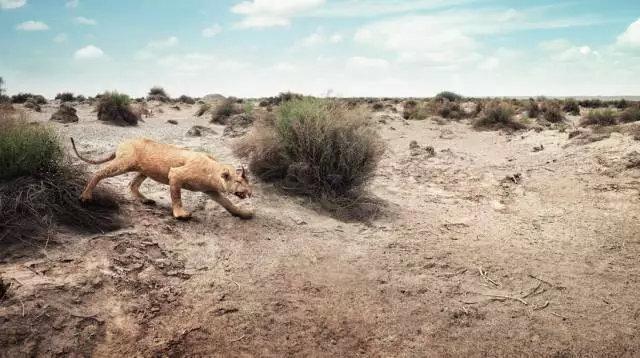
226	109
157	93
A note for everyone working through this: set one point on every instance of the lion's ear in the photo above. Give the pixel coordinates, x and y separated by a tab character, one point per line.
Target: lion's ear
226	175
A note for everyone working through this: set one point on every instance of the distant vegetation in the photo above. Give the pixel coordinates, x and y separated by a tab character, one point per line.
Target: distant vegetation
65	97
498	115
599	117
158	93
450	96
115	108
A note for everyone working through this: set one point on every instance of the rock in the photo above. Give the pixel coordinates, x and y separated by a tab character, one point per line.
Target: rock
171	121
538	148
177	108
65	114
213	98
198	131
416	150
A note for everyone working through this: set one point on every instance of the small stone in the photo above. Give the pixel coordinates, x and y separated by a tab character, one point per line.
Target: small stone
172	121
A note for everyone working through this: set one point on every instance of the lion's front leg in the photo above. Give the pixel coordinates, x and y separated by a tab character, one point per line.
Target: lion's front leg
175	186
227	204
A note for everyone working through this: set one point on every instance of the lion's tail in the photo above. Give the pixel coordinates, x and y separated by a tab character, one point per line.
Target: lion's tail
111	156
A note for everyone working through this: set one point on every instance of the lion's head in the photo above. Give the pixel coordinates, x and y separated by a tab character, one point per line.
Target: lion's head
236	182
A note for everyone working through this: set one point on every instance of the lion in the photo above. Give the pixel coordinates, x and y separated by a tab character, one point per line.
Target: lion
177	167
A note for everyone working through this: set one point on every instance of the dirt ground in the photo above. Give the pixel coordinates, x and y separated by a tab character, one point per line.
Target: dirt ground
488	248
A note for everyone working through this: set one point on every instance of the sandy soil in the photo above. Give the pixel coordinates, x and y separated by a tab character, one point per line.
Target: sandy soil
487	248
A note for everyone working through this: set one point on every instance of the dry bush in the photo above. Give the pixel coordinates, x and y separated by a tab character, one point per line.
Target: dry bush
449	96
378	106
114	107
571	106
449	109
599	117
204	108
39	188
157	93
314	147
631	114
552	112
226	109
498	115
186	99
410	110
532	108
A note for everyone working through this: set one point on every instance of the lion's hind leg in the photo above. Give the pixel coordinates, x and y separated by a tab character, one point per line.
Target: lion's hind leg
134	186
112	169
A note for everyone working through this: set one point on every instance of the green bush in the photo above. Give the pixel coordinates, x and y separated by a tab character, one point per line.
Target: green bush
39	188
450	96
314	147
115	107
27	149
498	115
599	117
571	106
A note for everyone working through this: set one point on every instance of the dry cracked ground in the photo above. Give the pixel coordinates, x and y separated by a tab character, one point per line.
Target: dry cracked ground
487	248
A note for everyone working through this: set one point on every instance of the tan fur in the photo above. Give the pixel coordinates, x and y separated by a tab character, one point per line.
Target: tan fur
179	168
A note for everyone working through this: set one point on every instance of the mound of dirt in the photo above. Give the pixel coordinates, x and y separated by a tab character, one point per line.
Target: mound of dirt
238	125
65	114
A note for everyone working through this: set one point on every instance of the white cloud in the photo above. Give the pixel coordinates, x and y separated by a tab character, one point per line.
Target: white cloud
72	4
284	67
60	38
85	21
195	63
12	4
374	8
450	39
562	50
88	53
32	26
489	64
364	63
270	13
212	30
153	47
163	44
631	37
320	38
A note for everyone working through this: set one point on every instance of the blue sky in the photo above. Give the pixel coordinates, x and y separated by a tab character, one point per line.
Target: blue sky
346	48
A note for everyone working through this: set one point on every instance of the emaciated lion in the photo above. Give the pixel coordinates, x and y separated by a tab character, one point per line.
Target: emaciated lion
179	168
